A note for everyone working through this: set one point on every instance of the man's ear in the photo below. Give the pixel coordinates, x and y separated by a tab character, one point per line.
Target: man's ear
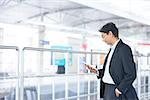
110	33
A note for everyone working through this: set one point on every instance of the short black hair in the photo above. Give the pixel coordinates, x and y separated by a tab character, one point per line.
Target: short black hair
110	27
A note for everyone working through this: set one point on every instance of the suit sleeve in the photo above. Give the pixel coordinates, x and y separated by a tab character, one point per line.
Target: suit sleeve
128	68
100	73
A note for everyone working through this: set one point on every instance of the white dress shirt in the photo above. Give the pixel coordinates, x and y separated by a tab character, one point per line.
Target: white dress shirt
107	77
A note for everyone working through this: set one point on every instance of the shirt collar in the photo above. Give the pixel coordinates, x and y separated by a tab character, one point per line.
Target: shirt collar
114	45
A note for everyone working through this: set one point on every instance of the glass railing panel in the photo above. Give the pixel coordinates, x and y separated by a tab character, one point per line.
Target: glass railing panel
83	98
93	97
72	89
93	86
83	87
9	79
59	91
73	99
46	92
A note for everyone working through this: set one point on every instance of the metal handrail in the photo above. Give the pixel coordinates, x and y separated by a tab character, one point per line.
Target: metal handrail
56	75
58	50
9	77
9	47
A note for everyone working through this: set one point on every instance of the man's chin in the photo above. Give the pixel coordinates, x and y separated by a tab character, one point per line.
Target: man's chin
109	44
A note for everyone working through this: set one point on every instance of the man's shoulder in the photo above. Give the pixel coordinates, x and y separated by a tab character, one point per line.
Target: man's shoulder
123	45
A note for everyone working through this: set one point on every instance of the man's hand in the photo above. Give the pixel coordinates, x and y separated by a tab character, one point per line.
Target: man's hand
117	92
93	70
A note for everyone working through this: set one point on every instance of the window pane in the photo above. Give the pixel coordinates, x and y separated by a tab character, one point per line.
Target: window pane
72	89
46	92
93	97
83	88
59	91
93	86
83	98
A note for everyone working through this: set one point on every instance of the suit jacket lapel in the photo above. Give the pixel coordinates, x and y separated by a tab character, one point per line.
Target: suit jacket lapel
106	59
116	50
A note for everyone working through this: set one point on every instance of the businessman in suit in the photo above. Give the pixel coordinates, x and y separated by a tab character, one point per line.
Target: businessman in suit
119	71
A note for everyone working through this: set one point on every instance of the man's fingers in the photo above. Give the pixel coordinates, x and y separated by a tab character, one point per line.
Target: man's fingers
93	70
117	94
90	68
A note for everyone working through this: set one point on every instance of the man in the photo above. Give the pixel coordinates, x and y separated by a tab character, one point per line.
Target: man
119	71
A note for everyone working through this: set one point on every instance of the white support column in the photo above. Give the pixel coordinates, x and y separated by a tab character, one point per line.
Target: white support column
40	57
18	76
139	79
66	89
78	89
98	90
66	64
21	78
53	90
1	42
88	90
149	85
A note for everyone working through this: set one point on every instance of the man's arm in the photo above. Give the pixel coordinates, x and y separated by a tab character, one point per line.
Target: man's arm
100	73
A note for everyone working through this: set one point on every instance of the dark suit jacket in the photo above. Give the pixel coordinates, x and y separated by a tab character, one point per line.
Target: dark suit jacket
122	70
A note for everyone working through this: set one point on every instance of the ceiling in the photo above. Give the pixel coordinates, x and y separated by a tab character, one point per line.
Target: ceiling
137	10
79	14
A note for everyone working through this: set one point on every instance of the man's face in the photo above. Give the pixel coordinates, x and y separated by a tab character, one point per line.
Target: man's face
106	37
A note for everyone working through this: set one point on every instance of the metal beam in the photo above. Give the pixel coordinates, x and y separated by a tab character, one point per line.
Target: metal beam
134	26
4	2
97	20
54	11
